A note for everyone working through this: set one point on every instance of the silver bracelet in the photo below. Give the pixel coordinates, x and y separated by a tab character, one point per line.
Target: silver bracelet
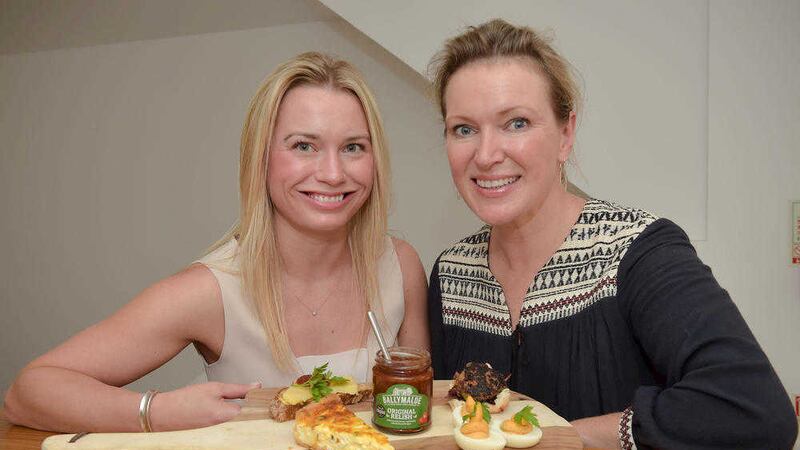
144	410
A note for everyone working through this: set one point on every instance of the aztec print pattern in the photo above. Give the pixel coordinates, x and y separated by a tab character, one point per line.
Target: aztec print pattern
582	271
626	440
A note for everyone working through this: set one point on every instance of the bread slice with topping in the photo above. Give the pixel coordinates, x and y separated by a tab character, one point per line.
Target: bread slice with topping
289	400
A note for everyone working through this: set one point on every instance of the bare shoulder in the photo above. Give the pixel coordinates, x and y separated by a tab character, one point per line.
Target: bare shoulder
409	259
193	292
194	283
186	305
193	287
414	330
410	265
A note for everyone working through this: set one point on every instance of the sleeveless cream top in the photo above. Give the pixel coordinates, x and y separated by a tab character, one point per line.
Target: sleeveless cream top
246	357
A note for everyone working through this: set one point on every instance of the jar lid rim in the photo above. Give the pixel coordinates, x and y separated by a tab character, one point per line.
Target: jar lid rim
417	355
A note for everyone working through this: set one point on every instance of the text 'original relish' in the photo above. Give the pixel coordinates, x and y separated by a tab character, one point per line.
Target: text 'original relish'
402	390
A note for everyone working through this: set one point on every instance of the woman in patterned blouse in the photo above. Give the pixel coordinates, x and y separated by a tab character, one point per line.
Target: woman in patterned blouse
602	312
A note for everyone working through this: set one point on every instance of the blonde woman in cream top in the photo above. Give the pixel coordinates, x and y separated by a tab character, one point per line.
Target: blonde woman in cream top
245	355
286	289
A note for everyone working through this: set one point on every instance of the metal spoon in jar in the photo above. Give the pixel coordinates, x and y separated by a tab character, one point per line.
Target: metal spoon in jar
374	322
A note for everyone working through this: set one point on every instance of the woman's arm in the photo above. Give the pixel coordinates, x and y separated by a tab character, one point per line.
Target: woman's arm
414	330
719	389
77	385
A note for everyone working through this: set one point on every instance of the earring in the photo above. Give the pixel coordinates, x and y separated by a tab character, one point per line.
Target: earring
563	175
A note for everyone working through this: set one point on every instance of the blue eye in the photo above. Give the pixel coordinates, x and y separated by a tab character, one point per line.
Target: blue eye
303	146
518	123
463	130
353	148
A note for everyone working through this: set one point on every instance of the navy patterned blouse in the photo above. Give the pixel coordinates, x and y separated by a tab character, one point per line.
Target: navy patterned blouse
623	318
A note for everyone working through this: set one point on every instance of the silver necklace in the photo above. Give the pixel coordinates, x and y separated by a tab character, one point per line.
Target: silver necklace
314	311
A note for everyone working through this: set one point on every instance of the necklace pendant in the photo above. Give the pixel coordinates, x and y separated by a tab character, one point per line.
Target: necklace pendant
314	313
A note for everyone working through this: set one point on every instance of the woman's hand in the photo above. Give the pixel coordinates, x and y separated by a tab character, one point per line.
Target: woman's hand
600	431
198	405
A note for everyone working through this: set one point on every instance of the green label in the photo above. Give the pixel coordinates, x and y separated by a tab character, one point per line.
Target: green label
401	407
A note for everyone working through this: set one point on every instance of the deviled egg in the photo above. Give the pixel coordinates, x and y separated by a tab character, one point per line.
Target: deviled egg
473	430
520	431
461	408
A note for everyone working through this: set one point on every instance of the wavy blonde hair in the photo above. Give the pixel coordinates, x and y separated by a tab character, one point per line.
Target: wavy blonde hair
259	261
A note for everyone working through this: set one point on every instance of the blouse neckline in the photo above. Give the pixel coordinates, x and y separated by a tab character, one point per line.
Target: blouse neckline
536	277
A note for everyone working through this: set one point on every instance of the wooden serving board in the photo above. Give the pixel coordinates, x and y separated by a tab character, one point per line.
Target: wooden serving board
253	429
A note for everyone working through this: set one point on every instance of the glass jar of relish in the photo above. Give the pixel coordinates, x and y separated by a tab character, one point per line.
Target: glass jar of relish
402	390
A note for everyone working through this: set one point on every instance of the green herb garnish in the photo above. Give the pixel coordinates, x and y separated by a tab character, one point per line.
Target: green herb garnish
465	418
526	414
320	382
486	415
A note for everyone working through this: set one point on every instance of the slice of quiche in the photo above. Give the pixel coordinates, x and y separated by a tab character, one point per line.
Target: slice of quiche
329	425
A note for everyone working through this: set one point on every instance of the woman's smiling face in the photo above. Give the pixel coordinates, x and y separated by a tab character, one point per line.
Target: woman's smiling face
504	143
320	169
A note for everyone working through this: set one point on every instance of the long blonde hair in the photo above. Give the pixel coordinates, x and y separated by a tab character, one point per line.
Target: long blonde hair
259	261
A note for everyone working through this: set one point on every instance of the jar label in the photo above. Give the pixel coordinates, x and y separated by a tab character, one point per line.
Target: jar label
401	407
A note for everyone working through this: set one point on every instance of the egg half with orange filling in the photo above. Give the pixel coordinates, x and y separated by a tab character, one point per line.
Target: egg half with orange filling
473	430
521	430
